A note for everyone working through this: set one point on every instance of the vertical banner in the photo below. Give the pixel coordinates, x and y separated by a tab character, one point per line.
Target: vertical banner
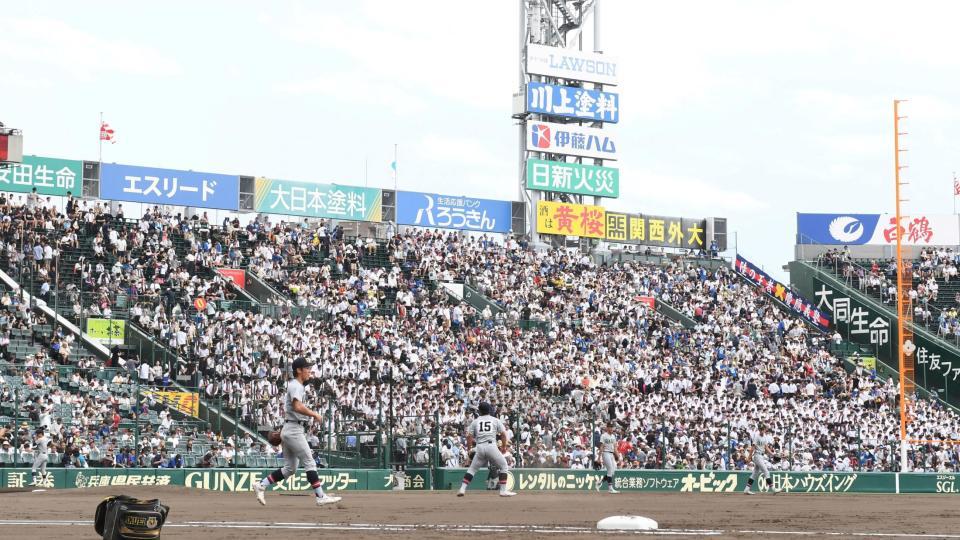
800	306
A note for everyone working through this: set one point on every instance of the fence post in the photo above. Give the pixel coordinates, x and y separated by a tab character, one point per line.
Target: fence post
726	452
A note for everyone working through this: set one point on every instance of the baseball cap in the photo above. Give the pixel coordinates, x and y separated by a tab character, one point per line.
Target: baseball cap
300	363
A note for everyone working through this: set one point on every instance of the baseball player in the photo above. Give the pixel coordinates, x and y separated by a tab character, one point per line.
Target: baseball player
40	458
296	451
608	449
493	473
484	430
761	446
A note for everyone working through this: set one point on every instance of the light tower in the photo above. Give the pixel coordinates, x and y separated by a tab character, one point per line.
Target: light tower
561	73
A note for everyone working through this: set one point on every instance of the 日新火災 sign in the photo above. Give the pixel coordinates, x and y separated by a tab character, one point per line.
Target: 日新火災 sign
450	212
571	140
51	176
309	199
572	102
571	65
151	185
576	178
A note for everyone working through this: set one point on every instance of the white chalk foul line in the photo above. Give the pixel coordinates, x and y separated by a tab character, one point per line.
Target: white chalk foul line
387	527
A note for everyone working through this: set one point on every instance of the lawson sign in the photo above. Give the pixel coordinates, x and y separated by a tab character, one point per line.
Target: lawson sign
878	229
449	212
150	185
571	65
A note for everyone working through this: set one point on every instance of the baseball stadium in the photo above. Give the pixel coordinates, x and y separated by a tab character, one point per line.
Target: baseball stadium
487	330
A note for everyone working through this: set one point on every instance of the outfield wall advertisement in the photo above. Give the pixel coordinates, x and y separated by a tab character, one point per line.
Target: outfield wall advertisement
336	480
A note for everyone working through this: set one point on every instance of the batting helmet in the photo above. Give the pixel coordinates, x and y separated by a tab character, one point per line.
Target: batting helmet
483	408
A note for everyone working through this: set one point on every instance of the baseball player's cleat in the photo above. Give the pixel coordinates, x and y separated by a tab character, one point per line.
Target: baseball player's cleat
259	490
599	486
747	492
460	494
327	499
611	490
506	493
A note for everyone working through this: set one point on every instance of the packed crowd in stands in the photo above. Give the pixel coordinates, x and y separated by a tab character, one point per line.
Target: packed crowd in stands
383	326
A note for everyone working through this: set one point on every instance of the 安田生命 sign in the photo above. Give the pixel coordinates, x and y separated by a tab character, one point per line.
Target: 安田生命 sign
51	176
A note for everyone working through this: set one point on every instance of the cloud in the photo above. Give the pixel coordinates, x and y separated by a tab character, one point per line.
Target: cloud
659	193
366	93
81	55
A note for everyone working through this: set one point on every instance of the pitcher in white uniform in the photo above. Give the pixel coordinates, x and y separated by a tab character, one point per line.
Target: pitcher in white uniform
40	456
485	431
608	453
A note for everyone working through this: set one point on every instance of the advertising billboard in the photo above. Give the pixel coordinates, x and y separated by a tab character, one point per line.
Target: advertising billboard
662	231
309	199
576	178
878	229
571	65
570	219
107	331
451	212
151	185
570	140
573	102
800	306
51	176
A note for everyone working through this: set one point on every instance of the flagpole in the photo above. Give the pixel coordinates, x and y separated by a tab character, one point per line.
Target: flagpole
100	137
954	192
396	168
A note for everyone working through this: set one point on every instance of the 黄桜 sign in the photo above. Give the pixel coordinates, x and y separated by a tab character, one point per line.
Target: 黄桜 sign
453	212
309	199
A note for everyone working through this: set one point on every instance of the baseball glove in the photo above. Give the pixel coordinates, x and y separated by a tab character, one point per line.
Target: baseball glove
274	438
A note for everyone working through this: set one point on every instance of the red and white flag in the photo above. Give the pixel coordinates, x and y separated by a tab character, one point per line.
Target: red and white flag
956	186
106	133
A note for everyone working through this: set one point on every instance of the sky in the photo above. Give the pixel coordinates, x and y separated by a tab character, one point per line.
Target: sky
749	110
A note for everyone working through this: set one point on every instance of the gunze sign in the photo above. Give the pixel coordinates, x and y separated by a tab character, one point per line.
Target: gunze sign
169	186
571	65
447	212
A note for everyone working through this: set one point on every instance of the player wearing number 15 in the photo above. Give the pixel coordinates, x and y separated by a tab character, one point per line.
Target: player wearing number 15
484	431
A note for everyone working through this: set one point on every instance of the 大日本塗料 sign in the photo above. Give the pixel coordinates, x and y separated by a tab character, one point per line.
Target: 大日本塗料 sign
878	229
450	212
151	185
309	199
571	65
572	102
571	140
51	176
576	178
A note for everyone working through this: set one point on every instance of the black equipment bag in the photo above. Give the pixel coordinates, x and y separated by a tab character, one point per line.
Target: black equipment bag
127	518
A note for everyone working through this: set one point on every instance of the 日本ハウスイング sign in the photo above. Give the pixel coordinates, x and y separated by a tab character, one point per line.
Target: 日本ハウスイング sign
571	65
450	212
570	219
663	231
570	140
573	178
169	186
572	102
51	176
309	199
878	229
799	305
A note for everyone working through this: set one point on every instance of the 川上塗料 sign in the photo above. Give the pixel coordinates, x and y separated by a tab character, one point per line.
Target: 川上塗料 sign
571	65
573	178
309	199
570	140
169	186
449	212
572	102
570	219
51	176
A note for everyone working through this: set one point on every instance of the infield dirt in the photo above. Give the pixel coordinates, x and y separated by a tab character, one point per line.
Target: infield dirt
428	515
